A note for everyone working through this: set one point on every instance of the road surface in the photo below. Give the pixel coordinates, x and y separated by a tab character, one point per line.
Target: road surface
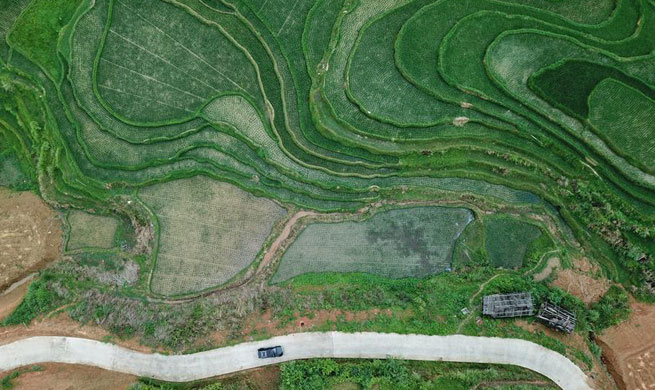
184	368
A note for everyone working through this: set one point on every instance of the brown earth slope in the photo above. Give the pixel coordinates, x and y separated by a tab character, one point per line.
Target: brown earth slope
30	235
579	282
72	377
629	349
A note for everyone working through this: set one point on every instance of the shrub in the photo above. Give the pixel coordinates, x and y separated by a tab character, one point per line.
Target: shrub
612	309
41	298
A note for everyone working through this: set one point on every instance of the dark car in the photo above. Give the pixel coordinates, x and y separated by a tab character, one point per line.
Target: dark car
270	352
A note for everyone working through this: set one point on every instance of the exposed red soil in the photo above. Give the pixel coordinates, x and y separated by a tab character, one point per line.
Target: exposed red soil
578	281
601	378
629	349
265	324
30	235
72	377
588	289
62	325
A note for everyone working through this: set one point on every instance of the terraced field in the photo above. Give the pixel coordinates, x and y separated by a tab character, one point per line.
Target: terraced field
415	242
333	105
507	240
90	231
208	231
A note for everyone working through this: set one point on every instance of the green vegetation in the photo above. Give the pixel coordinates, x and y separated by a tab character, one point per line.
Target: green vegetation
125	236
109	261
290	101
415	242
618	113
612	309
329	374
507	240
500	240
149	385
440	297
581	78
35	32
41	298
469	248
209	232
427	306
12	172
197	124
90	231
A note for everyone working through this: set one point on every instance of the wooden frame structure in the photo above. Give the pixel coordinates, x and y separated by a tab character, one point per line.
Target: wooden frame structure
556	317
508	305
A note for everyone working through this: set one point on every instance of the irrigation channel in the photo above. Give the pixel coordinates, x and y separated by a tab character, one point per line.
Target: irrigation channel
221	361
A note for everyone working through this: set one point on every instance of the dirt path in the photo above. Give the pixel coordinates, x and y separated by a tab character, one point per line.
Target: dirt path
553	264
545	255
185	368
286	231
470	305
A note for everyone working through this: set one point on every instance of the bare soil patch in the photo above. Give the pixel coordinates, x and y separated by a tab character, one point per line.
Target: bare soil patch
72	377
579	281
460	121
30	235
62	325
629	349
582	286
266	324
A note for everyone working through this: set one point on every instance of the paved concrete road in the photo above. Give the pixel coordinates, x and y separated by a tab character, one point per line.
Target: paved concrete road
183	368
